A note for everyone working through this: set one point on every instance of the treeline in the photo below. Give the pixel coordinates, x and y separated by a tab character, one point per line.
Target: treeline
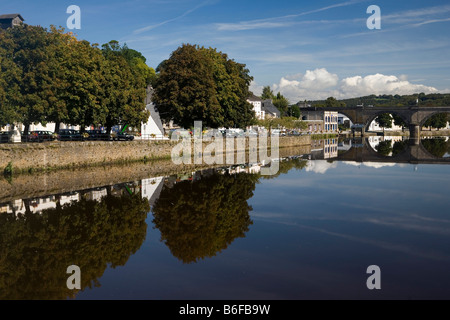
422	99
51	76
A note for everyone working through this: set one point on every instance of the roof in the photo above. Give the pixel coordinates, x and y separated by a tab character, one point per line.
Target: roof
254	98
11	16
268	106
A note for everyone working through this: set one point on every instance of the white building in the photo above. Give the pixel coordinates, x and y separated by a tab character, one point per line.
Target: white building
257	107
330	119
153	129
374	126
330	148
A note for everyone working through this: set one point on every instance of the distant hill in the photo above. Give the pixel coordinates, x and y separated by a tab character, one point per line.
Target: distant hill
430	100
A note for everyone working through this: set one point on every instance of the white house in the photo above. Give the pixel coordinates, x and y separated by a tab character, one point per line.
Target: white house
153	129
257	107
374	126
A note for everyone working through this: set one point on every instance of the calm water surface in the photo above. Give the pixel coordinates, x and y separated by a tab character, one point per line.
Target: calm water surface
308	233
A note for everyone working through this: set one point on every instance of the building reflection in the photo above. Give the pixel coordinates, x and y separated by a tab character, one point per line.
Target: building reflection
324	149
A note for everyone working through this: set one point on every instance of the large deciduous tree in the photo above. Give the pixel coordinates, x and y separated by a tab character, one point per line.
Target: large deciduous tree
51	76
123	84
10	76
27	51
384	120
282	104
205	85
437	121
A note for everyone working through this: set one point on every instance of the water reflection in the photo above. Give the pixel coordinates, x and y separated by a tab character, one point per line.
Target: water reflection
395	149
439	147
198	219
40	238
198	215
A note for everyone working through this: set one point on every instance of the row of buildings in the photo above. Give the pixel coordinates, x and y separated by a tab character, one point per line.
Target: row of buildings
317	121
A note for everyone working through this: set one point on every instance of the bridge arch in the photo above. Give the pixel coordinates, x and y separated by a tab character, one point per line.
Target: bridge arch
430	114
375	115
348	114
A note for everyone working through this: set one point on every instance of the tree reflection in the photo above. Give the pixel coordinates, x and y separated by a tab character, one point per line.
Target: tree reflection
384	148
36	249
199	219
286	166
436	146
399	147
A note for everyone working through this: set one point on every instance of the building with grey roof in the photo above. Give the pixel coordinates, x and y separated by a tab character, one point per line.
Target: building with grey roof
10	20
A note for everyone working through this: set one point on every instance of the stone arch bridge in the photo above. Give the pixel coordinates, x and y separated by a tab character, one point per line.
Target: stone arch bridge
414	117
413	154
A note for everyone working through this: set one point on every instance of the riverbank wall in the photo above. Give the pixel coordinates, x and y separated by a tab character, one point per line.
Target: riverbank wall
34	157
43	183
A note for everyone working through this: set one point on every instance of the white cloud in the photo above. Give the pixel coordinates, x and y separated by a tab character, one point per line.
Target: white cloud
320	166
380	84
320	84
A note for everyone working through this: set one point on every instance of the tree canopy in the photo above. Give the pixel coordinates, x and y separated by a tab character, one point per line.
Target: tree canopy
203	84
51	76
384	120
437	121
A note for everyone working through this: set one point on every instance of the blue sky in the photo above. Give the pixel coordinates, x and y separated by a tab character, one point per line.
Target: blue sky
304	49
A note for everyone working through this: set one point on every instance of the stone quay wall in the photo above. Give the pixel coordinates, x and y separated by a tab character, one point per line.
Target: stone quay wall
59	155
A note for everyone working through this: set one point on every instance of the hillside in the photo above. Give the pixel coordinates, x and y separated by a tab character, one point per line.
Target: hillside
388	100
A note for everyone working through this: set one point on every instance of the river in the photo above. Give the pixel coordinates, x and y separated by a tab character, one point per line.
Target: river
309	232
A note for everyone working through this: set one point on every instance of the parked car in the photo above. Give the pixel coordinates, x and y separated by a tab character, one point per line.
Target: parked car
98	135
70	135
44	136
31	137
122	136
5	136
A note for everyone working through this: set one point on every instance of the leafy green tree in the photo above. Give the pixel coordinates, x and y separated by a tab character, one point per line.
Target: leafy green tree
85	76
285	122
331	102
398	121
123	88
27	48
134	58
10	75
437	121
294	111
267	93
384	120
232	81
201	218
205	85
281	103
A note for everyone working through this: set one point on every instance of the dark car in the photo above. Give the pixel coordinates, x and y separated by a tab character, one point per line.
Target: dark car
5	136
121	136
44	136
31	137
70	135
98	135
